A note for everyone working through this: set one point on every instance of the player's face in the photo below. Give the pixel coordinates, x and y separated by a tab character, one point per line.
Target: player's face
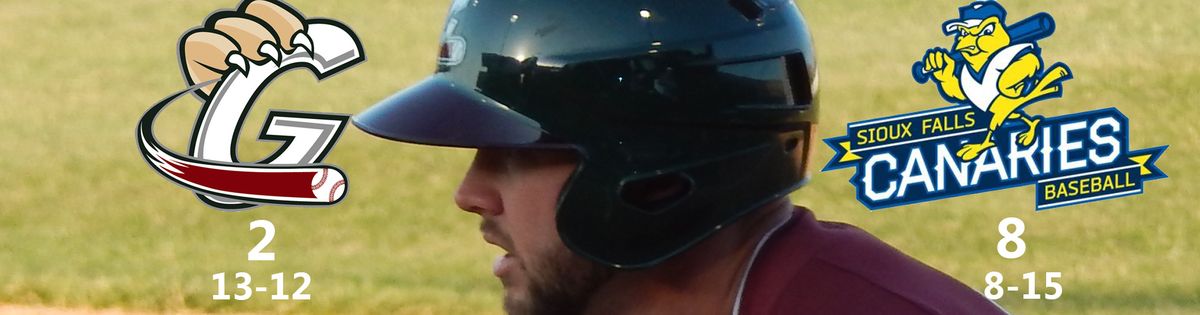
515	192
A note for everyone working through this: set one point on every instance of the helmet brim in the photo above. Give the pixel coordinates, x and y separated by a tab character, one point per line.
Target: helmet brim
437	112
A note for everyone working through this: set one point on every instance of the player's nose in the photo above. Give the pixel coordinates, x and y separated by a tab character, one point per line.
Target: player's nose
477	193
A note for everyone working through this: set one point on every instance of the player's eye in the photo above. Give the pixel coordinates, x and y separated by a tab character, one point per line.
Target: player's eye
962	31
988	29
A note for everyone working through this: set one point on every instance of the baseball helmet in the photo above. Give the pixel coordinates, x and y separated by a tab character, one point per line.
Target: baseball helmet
714	98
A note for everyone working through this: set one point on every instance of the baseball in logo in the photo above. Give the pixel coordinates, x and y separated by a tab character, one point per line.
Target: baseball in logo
226	63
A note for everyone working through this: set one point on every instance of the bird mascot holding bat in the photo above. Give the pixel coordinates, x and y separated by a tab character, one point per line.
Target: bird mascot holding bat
996	67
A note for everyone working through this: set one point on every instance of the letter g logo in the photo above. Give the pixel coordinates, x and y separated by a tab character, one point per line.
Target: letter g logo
228	62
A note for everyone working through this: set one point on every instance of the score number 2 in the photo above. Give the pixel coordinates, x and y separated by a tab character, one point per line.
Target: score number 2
257	253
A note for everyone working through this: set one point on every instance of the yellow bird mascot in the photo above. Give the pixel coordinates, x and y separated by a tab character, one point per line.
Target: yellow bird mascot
994	70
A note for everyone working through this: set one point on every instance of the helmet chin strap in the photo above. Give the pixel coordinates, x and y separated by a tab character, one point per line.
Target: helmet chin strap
745	273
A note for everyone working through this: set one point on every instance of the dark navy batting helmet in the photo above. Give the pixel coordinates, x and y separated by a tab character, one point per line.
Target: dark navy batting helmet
714	97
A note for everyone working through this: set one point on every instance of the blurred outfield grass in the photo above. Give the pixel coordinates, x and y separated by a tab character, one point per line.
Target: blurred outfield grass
84	223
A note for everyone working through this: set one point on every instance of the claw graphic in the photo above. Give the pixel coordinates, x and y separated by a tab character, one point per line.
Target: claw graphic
237	61
302	40
271	51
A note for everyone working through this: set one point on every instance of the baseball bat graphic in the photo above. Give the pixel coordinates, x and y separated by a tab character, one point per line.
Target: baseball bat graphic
1029	30
309	184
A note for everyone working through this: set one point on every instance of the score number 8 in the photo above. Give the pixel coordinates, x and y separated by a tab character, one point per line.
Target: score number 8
1014	237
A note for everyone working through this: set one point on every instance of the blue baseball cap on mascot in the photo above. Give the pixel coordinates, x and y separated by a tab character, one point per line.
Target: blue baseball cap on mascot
973	14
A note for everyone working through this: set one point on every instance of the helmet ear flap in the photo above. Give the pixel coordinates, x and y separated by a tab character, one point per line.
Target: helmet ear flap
654	194
652	216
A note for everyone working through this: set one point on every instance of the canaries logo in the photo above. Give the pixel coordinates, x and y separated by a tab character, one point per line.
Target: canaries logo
993	73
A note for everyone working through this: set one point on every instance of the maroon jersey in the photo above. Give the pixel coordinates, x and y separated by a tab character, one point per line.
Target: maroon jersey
814	267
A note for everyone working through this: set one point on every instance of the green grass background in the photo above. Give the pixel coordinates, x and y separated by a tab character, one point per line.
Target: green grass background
85	223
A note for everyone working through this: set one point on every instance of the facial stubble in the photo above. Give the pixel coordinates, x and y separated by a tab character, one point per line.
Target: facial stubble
561	283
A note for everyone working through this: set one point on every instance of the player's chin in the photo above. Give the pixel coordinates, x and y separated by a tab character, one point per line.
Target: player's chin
507	267
517	298
513	305
512	274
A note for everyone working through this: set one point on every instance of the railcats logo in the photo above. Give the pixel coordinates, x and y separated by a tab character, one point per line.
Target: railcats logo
226	63
989	140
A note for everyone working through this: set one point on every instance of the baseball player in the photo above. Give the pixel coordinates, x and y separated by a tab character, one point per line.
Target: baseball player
635	157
